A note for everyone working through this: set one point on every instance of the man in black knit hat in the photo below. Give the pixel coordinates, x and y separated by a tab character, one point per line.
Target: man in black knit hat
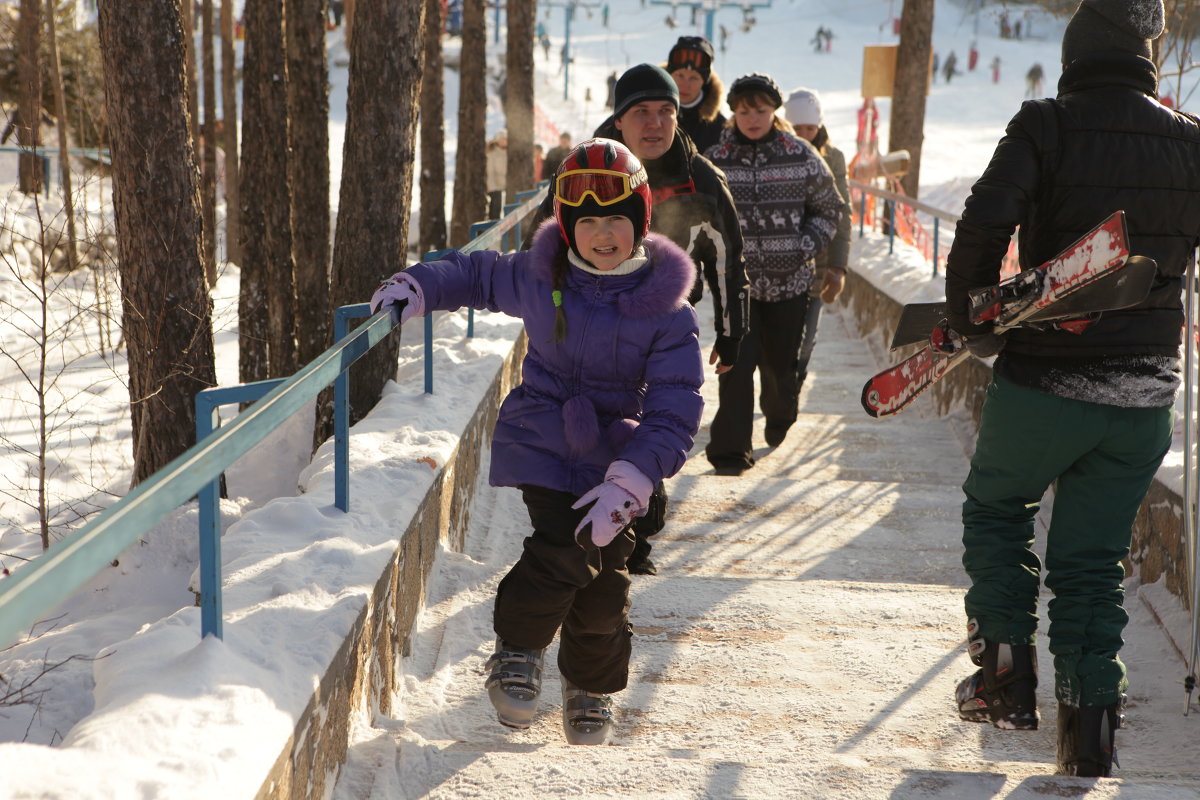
1089	413
694	209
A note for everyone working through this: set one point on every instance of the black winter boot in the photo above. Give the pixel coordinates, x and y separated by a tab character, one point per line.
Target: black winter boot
1086	740
639	562
1003	690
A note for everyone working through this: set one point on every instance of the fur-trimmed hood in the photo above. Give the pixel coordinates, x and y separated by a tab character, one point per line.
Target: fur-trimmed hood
714	95
661	287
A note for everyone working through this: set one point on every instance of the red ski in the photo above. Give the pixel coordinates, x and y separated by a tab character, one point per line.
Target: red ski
1026	296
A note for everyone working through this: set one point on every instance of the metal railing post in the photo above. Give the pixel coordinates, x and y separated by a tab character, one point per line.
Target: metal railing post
935	246
341	408
427	326
891	226
209	507
208	403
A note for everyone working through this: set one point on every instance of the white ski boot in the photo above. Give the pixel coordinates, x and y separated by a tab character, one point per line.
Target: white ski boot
587	716
515	683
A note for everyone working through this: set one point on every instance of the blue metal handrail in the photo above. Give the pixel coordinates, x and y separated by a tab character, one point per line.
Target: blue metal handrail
938	214
37	588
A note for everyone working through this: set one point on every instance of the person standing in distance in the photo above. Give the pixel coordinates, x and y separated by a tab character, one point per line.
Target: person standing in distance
1090	412
700	90
556	155
789	210
803	110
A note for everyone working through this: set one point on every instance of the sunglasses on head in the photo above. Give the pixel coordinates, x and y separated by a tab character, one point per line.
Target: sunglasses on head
605	186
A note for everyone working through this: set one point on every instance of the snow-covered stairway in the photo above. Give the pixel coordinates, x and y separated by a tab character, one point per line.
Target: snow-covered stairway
802	640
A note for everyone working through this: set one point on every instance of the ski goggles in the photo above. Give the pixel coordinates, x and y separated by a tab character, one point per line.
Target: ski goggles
605	186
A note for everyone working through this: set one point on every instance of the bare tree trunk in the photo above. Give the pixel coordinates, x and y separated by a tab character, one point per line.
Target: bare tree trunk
308	113
432	235
266	311
233	209
167	309
470	179
518	101
347	23
377	171
29	70
907	129
208	186
64	145
187	14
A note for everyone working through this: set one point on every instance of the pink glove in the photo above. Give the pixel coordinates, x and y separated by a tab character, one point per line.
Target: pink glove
624	495
400	290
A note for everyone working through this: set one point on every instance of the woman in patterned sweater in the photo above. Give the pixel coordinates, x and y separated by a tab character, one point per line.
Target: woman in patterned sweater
789	209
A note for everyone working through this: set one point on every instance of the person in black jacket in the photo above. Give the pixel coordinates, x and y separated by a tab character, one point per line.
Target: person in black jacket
555	157
1089	413
700	90
693	208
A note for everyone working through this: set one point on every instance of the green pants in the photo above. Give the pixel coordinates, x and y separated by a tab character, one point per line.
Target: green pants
1101	460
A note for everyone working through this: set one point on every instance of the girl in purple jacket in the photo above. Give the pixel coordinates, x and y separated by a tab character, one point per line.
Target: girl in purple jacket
608	405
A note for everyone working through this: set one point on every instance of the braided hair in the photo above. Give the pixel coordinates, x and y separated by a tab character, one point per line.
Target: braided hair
558	275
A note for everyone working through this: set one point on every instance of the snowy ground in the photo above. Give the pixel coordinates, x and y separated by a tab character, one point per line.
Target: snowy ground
287	594
803	639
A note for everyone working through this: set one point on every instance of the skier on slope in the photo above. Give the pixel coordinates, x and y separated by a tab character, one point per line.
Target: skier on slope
1089	413
609	404
694	209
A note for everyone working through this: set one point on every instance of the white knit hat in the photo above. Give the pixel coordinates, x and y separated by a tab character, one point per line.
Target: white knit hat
803	107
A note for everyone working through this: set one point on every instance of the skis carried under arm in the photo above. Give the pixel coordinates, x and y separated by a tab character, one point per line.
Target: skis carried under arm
1034	295
1118	289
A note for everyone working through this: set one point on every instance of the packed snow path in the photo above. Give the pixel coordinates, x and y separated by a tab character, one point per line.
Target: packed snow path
802	640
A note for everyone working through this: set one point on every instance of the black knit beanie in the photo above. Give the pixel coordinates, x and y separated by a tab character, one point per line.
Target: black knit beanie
1127	26
694	52
640	84
752	83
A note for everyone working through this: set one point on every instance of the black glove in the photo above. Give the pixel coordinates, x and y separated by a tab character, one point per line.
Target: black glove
985	345
727	349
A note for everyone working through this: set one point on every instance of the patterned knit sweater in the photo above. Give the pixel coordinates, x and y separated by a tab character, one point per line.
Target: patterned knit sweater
787	205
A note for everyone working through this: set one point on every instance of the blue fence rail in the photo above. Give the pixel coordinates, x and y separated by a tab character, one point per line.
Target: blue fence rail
36	589
937	214
44	155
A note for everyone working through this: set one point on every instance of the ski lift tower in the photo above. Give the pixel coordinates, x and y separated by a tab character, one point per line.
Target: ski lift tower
569	6
710	7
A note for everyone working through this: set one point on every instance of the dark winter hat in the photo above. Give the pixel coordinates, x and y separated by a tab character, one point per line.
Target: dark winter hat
695	52
641	83
756	82
1128	26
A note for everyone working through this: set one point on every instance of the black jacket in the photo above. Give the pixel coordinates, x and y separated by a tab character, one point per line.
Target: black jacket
694	209
704	132
704	121
1105	143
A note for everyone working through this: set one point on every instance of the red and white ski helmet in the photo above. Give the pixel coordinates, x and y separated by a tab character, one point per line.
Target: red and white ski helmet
601	178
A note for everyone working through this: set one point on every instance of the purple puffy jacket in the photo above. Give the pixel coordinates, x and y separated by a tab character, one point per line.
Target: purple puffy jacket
624	383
